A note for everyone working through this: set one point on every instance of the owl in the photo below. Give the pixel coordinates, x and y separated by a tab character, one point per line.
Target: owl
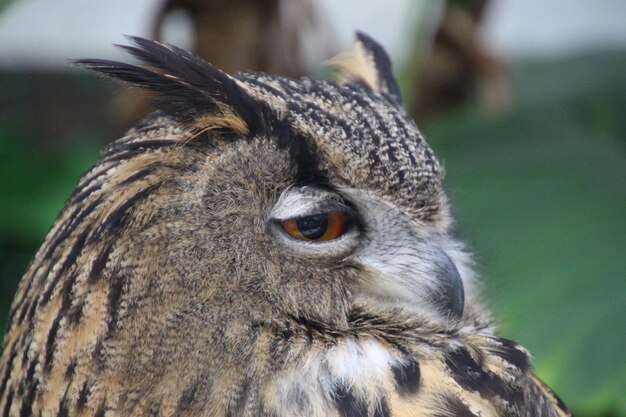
260	246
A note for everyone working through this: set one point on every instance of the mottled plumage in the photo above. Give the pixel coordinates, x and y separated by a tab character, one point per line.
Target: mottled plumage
170	285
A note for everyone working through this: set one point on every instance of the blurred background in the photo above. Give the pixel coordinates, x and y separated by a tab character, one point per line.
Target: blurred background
524	101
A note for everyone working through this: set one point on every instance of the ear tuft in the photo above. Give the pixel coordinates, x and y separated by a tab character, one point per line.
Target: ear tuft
366	62
189	88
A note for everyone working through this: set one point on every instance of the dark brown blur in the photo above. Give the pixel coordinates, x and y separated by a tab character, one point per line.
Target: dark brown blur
459	68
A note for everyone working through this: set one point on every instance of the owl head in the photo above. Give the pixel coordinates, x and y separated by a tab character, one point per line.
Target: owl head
245	206
307	196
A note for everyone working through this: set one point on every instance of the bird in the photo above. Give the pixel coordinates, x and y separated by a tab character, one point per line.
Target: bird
261	246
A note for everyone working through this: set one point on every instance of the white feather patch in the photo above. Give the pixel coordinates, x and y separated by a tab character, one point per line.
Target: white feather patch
363	366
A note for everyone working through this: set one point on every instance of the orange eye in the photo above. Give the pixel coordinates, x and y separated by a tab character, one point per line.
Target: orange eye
318	227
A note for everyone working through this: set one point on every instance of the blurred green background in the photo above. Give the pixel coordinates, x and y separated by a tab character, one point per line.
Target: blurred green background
540	194
539	190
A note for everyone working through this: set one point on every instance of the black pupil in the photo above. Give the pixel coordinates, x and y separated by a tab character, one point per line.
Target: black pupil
313	227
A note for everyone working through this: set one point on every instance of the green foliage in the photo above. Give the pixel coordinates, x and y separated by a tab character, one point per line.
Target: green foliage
541	196
36	184
40	181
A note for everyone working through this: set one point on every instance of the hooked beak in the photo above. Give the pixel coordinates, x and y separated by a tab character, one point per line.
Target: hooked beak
449	297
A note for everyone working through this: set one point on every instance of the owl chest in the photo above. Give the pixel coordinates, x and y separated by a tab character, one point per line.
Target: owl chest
353	376
367	378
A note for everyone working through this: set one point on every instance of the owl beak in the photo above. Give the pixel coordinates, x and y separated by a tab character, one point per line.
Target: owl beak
450	297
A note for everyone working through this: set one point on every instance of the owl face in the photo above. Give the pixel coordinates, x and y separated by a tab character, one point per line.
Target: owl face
368	189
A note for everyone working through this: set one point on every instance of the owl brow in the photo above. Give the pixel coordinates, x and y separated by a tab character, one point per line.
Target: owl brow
306	158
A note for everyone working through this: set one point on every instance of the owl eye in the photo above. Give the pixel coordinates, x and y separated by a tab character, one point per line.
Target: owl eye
317	227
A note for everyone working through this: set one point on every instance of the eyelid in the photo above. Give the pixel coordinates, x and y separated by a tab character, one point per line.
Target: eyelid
316	206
